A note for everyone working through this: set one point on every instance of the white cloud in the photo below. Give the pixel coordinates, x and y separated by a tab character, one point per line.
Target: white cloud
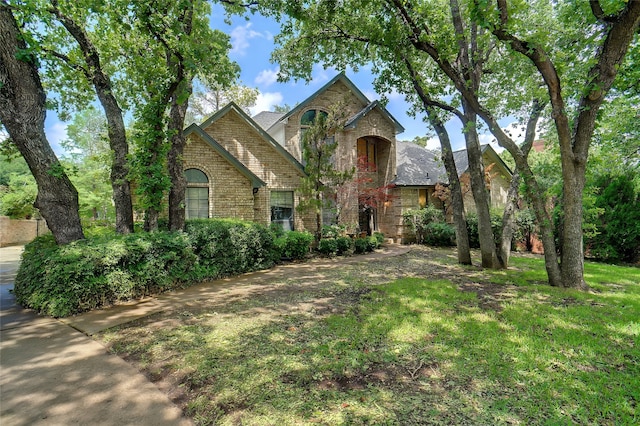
240	37
267	77
266	101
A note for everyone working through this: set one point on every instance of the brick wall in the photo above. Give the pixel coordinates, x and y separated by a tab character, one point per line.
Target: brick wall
230	192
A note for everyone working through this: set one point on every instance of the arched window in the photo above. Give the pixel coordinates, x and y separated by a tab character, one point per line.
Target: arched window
196	194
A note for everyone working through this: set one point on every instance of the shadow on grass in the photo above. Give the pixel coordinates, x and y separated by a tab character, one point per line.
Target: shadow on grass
412	351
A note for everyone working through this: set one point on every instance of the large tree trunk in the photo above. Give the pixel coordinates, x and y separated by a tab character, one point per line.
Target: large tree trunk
174	160
22	111
457	203
116	129
478	187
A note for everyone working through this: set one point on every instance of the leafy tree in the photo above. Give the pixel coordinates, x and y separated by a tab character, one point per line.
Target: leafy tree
606	33
18	195
180	45
82	64
322	177
282	108
213	96
90	157
22	112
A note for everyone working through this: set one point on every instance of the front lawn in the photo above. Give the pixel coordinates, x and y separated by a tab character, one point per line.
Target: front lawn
414	339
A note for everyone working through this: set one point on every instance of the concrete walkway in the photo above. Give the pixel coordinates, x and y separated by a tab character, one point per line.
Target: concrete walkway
53	373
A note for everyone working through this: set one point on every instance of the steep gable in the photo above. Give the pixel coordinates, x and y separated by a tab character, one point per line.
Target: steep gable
245	139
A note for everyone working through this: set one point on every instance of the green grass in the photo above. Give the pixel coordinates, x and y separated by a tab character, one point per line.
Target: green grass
410	351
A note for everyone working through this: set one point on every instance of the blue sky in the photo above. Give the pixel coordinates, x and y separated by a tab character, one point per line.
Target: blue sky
252	42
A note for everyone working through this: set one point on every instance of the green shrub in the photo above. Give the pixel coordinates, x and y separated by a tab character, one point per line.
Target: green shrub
439	235
472	227
328	246
345	245
379	237
83	275
294	244
340	245
366	244
230	246
417	220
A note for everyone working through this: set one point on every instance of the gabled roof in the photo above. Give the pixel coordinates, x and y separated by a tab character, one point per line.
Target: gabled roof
353	121
256	182
419	166
266	119
361	97
267	137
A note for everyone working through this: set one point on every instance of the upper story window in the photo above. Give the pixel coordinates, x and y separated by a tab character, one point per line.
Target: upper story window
196	194
367	160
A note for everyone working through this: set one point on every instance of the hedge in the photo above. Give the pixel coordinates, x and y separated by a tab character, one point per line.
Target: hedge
87	274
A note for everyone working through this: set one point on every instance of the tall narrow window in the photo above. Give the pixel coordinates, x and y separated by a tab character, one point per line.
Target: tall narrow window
367	155
282	209
422	197
196	194
307	120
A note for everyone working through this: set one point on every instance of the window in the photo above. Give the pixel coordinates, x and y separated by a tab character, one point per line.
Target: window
422	197
367	155
307	120
282	209
196	194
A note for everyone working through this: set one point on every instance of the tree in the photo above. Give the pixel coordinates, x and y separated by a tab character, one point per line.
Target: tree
22	112
213	96
614	30
179	33
322	178
89	64
90	158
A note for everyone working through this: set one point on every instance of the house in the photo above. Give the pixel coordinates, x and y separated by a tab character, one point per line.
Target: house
251	167
420	170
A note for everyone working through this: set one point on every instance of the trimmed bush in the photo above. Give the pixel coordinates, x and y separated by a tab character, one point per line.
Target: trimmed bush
439	235
366	244
294	244
328	246
335	246
345	245
83	275
230	246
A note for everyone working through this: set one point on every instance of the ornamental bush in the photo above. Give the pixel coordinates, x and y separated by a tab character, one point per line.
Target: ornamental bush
439	235
83	275
294	244
86	274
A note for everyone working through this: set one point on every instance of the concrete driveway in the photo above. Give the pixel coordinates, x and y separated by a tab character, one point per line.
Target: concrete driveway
52	374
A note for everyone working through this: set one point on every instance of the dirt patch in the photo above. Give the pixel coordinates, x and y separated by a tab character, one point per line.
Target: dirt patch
490	296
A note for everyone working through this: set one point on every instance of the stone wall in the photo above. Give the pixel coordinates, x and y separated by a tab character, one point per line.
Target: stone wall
17	231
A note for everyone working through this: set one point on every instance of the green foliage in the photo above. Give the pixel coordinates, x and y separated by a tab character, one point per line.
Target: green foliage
294	244
229	246
418	219
618	225
366	244
338	245
83	275
18	196
439	234
472	227
107	268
